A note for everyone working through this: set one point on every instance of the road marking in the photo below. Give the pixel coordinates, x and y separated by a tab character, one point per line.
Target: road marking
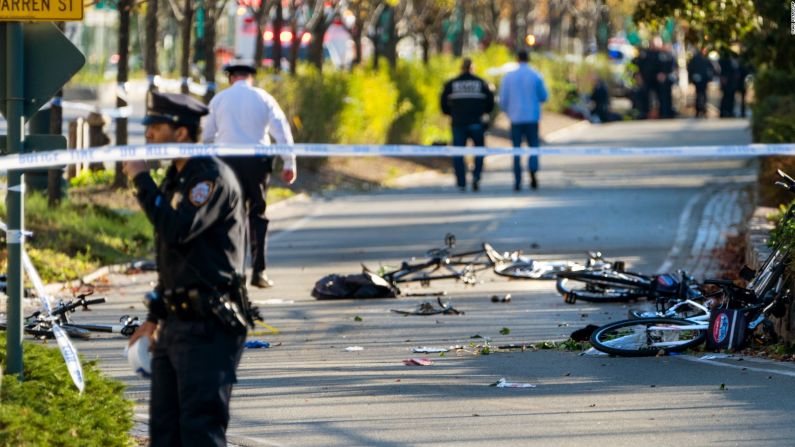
681	234
690	358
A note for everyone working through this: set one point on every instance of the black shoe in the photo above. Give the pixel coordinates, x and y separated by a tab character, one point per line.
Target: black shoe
475	186
261	280
462	188
533	181
517	188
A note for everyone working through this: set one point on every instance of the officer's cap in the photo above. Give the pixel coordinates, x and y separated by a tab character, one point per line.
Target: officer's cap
240	66
173	108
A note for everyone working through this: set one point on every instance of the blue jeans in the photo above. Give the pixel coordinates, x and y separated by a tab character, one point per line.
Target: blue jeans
460	136
528	131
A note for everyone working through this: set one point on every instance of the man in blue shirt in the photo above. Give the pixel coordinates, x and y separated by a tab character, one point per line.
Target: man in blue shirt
521	93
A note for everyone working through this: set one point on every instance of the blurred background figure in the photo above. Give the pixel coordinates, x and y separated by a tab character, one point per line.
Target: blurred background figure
467	98
600	101
700	71
729	82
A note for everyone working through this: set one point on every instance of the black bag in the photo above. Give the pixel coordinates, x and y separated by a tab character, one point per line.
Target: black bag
726	330
364	285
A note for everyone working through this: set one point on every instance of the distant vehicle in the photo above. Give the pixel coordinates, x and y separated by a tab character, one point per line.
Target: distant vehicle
336	42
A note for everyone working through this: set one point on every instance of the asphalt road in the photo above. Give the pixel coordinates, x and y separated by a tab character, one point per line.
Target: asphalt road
654	213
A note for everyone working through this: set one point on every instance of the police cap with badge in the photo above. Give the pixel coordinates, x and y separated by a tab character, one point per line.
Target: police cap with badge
173	108
240	66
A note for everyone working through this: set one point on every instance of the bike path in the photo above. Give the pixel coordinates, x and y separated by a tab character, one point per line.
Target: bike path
307	390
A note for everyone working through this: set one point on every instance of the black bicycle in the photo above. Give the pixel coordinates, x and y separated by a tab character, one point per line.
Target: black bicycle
440	263
40	325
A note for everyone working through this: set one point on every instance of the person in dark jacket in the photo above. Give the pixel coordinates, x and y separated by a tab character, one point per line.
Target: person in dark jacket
700	72
729	83
600	97
467	98
199	222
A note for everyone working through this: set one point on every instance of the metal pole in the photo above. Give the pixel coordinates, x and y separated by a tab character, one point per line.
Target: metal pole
15	75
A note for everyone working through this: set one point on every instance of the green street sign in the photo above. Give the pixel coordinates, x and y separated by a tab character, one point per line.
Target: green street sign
50	60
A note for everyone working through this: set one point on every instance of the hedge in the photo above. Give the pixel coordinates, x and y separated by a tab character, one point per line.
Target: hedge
402	106
46	408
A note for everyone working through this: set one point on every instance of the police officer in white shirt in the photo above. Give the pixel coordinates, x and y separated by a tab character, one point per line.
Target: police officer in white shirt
244	114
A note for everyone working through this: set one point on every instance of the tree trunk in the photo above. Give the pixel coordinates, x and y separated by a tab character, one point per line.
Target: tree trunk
150	54
120	179
294	47
187	27
426	49
259	44
276	48
356	36
211	12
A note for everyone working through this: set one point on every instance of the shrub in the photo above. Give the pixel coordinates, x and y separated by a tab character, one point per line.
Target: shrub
71	239
774	119
370	107
46	409
88	177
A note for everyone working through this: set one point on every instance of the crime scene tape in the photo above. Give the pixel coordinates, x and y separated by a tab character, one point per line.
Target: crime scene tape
62	157
121	112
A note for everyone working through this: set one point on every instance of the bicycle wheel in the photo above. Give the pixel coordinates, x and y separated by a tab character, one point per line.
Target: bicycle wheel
573	290
609	278
647	337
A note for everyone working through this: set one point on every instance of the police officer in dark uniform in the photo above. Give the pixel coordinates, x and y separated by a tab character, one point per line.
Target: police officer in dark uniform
196	317
466	99
700	71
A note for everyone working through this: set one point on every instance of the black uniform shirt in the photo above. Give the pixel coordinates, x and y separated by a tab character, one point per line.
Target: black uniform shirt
199	220
466	98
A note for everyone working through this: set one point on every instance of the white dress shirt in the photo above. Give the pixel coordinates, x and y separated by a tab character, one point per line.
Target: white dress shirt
243	114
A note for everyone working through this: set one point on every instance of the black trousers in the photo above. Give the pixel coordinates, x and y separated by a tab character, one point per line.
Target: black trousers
253	173
701	98
193	370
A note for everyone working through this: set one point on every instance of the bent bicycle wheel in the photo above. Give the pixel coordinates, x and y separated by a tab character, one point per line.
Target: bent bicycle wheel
573	290
648	337
609	278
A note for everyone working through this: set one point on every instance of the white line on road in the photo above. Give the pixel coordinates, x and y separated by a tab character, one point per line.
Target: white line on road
744	368
681	234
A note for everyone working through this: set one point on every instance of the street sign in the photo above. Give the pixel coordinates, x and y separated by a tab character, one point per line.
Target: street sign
50	60
41	10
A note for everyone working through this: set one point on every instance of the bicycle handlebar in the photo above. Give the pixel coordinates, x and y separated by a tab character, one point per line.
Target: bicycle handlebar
72	305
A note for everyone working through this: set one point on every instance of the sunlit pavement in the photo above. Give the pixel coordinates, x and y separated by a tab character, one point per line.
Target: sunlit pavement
654	213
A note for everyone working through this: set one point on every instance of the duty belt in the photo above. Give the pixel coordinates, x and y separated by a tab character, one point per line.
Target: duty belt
188	303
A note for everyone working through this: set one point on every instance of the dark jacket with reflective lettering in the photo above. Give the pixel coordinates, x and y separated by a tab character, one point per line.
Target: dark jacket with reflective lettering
466	99
199	221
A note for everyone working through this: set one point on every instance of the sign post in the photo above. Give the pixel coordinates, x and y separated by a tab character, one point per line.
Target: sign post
14	200
36	60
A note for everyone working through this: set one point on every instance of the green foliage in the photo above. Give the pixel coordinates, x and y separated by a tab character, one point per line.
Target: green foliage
72	239
402	106
87	177
373	101
774	119
46	408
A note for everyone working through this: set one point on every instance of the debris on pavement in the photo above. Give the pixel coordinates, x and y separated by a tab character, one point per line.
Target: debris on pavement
496	299
416	361
428	308
584	334
354	348
435	350
716	356
256	344
502	383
